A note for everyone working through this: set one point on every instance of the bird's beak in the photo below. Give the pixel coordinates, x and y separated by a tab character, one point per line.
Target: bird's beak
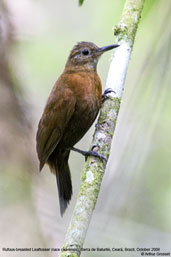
103	49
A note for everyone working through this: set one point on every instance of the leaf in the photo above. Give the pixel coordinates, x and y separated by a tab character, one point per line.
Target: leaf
81	2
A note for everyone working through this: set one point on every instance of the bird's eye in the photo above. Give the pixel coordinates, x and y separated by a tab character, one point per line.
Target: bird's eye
85	51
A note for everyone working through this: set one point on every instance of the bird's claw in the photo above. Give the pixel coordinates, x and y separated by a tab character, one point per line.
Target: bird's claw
106	92
95	154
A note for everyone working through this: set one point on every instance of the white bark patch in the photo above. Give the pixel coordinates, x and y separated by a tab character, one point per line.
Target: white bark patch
89	177
112	113
118	68
101	136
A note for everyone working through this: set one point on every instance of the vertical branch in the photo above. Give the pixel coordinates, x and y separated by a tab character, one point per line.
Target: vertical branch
94	169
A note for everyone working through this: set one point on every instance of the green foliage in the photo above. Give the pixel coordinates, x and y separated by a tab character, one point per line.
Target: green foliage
81	2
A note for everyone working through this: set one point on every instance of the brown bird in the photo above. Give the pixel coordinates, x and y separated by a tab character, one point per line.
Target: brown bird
71	109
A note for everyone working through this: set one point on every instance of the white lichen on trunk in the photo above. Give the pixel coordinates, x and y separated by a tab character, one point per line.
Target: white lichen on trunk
118	68
93	172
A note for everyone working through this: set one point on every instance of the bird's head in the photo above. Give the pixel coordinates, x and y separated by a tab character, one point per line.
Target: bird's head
86	54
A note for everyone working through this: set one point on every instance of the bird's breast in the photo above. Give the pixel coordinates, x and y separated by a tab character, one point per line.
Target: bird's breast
88	94
87	90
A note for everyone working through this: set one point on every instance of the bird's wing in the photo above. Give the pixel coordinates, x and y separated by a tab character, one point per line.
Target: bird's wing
57	113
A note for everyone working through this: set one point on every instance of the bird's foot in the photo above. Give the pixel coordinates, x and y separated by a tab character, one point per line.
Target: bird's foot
89	153
106	92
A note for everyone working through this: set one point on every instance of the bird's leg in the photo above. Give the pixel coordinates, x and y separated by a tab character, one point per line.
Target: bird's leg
89	153
106	92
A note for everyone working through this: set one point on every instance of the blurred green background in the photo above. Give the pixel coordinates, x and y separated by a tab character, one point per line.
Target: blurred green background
134	205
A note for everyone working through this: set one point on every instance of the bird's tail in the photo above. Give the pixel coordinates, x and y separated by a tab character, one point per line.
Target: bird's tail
58	164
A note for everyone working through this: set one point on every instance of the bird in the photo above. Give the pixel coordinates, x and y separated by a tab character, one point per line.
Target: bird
70	110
